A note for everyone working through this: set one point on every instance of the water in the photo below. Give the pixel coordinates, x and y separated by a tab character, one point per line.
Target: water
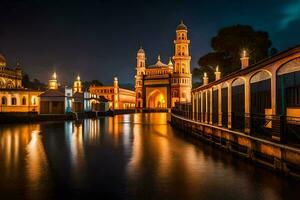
136	156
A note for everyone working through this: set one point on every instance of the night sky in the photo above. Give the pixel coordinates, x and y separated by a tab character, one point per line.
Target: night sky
99	39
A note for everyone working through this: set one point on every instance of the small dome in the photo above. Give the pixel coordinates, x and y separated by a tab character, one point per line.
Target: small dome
181	26
2	60
141	50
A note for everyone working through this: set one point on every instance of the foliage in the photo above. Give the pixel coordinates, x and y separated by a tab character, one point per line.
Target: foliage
227	48
35	84
87	84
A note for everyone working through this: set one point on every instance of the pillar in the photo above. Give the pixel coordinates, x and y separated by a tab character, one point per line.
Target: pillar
273	92
220	105
210	105
201	107
229	104
197	106
206	107
247	105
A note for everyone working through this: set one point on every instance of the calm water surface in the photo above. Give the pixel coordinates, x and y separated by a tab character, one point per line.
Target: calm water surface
136	156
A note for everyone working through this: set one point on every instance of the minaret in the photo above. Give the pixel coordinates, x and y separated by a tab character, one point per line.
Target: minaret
182	77
53	82
116	93
140	71
77	87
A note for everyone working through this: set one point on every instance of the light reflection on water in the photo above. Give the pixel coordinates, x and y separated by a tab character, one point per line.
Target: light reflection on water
128	156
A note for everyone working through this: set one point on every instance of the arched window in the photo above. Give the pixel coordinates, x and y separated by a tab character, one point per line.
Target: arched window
24	101
182	70
175	93
33	101
3	101
183	94
13	101
139	95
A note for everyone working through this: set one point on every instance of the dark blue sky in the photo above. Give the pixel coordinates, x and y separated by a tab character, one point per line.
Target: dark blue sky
99	39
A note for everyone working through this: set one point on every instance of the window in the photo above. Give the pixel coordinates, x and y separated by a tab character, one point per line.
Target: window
4	101
175	93
33	101
24	101
13	101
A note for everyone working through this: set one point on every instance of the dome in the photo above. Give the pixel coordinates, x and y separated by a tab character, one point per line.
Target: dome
181	26
2	59
158	64
141	50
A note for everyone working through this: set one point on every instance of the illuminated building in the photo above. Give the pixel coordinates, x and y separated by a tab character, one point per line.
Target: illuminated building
13	97
161	85
118	98
10	78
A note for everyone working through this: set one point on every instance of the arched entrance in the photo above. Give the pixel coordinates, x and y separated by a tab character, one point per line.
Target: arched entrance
238	104
260	104
156	99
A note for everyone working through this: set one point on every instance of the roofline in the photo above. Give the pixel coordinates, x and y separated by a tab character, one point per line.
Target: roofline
258	65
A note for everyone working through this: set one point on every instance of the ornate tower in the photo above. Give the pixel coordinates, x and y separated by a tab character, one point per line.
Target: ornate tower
181	83
53	82
77	87
140	71
116	93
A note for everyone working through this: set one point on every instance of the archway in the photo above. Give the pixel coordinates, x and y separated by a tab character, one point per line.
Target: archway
288	99
224	93
260	104
156	99
238	104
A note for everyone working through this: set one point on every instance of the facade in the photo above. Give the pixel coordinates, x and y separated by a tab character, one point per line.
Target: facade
161	85
261	100
13	97
118	98
58	101
10	78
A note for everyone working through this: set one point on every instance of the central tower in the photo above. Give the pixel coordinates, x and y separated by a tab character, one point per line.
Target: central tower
181	83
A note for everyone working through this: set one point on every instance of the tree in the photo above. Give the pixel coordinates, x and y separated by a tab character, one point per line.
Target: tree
35	84
227	48
87	84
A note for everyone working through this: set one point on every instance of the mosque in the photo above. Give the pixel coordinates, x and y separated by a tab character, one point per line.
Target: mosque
160	85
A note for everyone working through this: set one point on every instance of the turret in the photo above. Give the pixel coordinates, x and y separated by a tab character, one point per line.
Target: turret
77	87
116	93
244	59
53	82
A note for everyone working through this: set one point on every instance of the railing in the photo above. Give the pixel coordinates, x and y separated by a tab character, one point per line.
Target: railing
283	129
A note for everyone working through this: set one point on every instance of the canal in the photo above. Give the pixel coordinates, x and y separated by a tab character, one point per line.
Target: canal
137	156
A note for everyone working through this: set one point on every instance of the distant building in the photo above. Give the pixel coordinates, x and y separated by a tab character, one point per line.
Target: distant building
161	85
64	100
118	98
13	97
10	78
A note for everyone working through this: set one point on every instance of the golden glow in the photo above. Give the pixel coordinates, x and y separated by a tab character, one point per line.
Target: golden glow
54	76
205	75
78	78
217	68
244	53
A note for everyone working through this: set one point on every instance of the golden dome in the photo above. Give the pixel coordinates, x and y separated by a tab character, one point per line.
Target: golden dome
2	60
181	26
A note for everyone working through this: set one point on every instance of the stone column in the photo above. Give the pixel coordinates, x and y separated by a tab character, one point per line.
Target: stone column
210	105
273	92
247	105
220	105
206	107
201	107
229	104
197	106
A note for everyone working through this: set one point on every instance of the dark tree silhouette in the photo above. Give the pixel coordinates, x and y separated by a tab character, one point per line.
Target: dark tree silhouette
227	48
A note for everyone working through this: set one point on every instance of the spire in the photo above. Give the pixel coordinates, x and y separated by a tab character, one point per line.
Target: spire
170	62
78	77
158	57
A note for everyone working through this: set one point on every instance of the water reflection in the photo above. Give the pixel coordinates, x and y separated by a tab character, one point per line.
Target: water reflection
127	156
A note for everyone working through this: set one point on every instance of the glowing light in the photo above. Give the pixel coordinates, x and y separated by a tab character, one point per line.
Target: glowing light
244	53
54	76
78	78
217	68
205	75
